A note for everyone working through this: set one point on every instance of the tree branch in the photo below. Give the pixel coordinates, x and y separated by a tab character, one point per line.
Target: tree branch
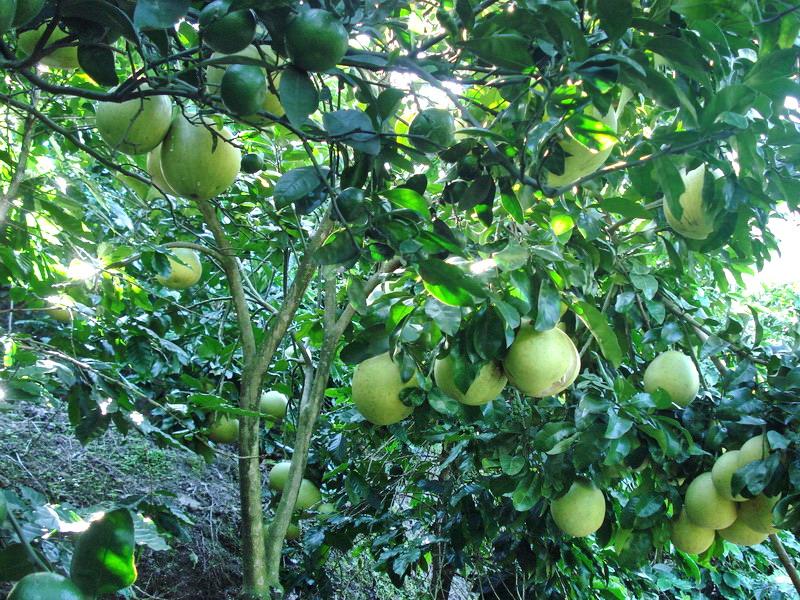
19	171
786	561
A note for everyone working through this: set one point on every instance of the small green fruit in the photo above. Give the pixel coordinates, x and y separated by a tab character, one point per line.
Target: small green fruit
690	538
706	507
224	430
581	511
225	31
279	475
376	390
675	373
273	404
316	40
432	130
243	89
252	163
45	586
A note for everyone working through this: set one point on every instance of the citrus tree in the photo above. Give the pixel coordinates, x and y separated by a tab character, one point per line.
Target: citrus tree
465	266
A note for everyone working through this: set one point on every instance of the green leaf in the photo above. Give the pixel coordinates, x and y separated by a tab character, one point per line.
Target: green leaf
98	62
523	497
512	464
159	14
447	318
508	50
299	96
339	249
776	65
449	284
687	59
444	404
597	323
555	437
669	178
625	207
408	198
103	559
354	128
615	16
548	307
295	185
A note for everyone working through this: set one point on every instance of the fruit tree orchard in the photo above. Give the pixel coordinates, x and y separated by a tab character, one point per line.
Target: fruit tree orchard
453	279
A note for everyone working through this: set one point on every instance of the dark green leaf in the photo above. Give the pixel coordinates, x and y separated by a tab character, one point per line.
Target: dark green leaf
103	559
598	325
615	16
159	14
354	128
449	284
98	62
548	307
299	97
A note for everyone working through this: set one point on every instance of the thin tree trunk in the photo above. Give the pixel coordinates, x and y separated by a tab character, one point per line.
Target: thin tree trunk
19	171
791	571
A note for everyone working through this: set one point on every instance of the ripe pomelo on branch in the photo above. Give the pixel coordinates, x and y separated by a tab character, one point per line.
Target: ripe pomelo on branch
690	538
197	159
226	31
696	221
279	475
542	363
224	429
316	40
756	513
432	130
63	57
722	473
45	586
486	386
134	126
273	404
743	535
675	373
307	496
185	269
756	448
581	511
581	159
376	386
156	173
704	505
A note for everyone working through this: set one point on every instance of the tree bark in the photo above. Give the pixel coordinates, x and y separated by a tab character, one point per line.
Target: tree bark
791	571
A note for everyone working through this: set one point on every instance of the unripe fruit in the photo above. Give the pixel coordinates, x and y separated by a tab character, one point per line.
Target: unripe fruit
675	373
690	538
226	31
224	430
542	363
273	404
252	163
135	126
63	57
722	473
45	586
316	40
292	531
705	507
279	474
432	130
307	496
376	390
486	386
184	269
580	511
243	89
739	533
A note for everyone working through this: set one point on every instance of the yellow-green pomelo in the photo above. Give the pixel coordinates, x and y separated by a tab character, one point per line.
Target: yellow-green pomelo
279	475
197	163
722	473
45	586
325	511
756	448
432	130
376	390
63	57
705	507
690	538
156	173
581	160
224	430
273	404
757	513
184	269
675	373
292	531
486	386
739	533
307	496
272	103
696	223
135	126
542	363
580	511
26	10
8	8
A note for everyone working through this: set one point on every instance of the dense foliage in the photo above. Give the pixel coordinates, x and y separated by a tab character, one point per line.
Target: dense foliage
614	170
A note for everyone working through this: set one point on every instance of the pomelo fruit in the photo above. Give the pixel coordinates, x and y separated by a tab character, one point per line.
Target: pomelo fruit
135	126
580	511
376	390
704	505
279	474
273	404
690	538
185	269
8	8
752	450
225	31
252	163
542	363
325	511
307	496
581	160
45	586
243	89
432	130
675	373
197	163
224	430
350	205
156	173
26	11
63	57
739	533
696	222
722	473
292	531
316	40
486	386
756	513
